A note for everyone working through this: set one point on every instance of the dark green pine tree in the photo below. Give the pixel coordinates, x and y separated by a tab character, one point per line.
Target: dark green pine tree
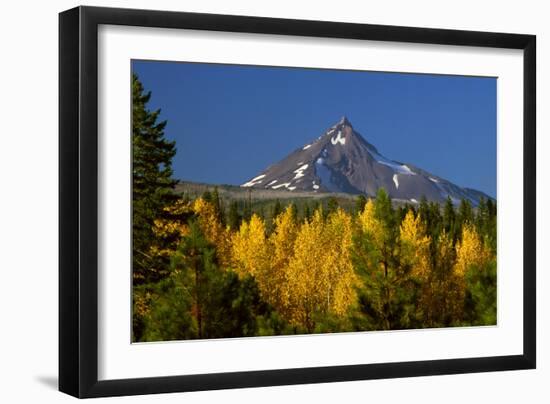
294	211
207	196
360	203
247	212
152	185
482	217
465	212
449	218
492	224
332	205
201	300
277	209
307	212
384	211
234	219
218	205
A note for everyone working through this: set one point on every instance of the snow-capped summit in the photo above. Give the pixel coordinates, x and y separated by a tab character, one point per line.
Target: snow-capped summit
341	160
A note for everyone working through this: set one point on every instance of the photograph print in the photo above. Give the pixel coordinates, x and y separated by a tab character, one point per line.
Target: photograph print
272	201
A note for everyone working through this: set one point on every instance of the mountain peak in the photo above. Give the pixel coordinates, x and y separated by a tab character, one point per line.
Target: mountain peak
344	121
342	161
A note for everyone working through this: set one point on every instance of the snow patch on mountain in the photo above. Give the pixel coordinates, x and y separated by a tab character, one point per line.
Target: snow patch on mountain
307	146
254	181
286	185
338	139
300	171
396	181
398	168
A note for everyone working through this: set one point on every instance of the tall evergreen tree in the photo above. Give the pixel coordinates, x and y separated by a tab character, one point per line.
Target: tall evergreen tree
218	206
247	212
152	182
307	212
492	224
360	203
234	219
277	209
465	212
449	218
207	196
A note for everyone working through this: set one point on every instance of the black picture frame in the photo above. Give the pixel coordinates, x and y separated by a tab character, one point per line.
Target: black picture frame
78	201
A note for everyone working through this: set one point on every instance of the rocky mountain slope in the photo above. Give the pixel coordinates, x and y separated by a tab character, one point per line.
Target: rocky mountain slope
342	161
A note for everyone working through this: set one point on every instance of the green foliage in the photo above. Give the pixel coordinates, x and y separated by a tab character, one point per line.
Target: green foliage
247	211
152	183
332	206
234	218
465	212
307	212
169	313
480	305
277	209
384	211
360	203
449	219
387	295
200	300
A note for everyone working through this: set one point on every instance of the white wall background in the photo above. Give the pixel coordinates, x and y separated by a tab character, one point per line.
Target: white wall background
28	200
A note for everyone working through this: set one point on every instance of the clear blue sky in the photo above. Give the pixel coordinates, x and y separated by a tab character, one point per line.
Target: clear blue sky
230	122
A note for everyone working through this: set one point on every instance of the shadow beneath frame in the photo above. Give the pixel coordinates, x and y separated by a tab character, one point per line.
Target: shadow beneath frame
48	381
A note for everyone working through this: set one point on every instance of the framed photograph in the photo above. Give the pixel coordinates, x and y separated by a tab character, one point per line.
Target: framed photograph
251	201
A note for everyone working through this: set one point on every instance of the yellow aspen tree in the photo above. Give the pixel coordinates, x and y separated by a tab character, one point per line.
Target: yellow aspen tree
470	251
337	267
214	231
415	245
321	277
371	225
303	272
281	243
250	250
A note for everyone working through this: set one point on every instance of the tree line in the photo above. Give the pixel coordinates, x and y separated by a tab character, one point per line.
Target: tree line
205	269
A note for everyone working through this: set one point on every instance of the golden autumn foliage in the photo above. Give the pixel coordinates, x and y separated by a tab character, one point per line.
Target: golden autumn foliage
175	226
415	245
470	251
340	278
371	225
213	230
250	249
281	243
302	270
380	268
440	294
321	277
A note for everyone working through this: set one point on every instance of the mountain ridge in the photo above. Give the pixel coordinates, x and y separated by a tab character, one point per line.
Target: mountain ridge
341	160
